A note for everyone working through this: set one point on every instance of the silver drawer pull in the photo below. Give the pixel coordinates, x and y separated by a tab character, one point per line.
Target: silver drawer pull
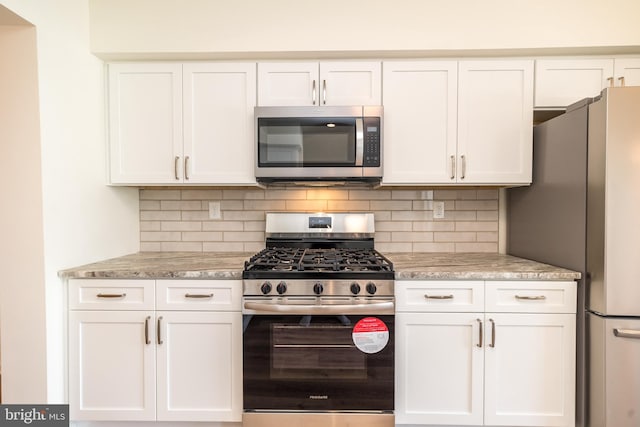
101	295
438	296
531	298
627	333
198	295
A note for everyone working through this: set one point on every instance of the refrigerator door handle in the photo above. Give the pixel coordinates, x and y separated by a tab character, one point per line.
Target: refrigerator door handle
626	333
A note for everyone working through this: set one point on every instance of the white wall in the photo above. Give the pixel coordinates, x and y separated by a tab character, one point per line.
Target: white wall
83	220
232	26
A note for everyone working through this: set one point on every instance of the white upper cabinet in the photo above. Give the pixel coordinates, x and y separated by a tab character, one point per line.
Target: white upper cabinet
319	83
561	82
495	122
145	122
171	123
420	117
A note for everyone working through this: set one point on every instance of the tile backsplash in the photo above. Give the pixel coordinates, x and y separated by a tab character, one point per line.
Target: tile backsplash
178	219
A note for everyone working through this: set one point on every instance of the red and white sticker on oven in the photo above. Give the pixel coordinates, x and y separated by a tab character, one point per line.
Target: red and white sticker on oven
370	335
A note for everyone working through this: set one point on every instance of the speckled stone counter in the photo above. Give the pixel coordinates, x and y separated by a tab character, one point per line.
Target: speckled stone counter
473	266
164	265
408	266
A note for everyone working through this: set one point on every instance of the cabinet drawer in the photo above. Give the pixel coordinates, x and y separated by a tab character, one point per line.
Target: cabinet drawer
216	295
111	294
439	296
530	297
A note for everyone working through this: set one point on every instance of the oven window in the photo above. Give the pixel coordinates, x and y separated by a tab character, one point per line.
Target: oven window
312	142
310	352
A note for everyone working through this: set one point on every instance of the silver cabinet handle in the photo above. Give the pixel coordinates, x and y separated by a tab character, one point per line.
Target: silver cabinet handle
359	141
146	330
627	333
175	168
101	295
198	295
463	167
531	298
479	333
186	167
493	333
438	296
610	80
313	92
621	80
324	92
160	342
453	167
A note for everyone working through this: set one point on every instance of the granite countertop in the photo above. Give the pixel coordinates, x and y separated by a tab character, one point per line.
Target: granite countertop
408	266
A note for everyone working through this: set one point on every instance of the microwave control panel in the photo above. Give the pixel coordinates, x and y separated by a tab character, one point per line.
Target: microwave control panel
371	155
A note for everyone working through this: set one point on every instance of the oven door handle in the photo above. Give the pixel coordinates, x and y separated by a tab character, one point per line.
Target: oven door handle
386	307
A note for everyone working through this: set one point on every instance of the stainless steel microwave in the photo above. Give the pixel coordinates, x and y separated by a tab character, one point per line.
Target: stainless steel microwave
319	143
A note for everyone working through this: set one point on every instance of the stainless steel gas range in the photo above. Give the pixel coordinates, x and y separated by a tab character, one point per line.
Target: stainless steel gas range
318	313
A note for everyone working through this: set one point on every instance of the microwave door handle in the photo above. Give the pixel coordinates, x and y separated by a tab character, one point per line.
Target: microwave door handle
359	141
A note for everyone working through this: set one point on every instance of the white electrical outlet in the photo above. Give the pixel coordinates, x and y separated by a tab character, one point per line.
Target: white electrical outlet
438	210
214	210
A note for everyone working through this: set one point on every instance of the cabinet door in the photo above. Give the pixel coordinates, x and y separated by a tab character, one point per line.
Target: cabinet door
288	83
350	83
561	82
145	123
439	369
218	123
495	122
420	117
629	69
529	369
199	366
111	366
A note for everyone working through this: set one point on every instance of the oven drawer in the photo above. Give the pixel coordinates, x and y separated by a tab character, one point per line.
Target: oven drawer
531	296
209	295
111	294
439	296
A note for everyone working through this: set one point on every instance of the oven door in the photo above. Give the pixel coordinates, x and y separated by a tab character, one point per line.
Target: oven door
318	362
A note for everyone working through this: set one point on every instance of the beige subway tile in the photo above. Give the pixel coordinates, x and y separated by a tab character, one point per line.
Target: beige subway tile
433	247
150	225
462	215
181	226
382	236
393	247
160	215
412	215
243	215
488	194
195	215
453	236
243	194
188	205
445	195
253	246
382	216
149	205
476	226
201	194
393	226
202	236
160	236
243	236
487	216
477	247
487	236
181	246
412	236
306	205
286	194
264	205
150	247
449	205
219	225
228	205
159	194
369	194
435	225
476	205
422	205
327	194
348	205
468	194
222	247
254	226
412	194
390	205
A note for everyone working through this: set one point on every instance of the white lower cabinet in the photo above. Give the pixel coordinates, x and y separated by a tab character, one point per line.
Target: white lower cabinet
514	366
181	363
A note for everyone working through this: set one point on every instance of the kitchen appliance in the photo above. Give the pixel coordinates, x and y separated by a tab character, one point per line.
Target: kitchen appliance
581	213
318	325
319	144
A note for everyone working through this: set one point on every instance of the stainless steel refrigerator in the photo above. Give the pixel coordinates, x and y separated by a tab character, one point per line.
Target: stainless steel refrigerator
582	212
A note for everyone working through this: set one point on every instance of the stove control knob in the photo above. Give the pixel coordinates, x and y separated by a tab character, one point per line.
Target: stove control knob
355	288
371	288
281	288
318	288
265	288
